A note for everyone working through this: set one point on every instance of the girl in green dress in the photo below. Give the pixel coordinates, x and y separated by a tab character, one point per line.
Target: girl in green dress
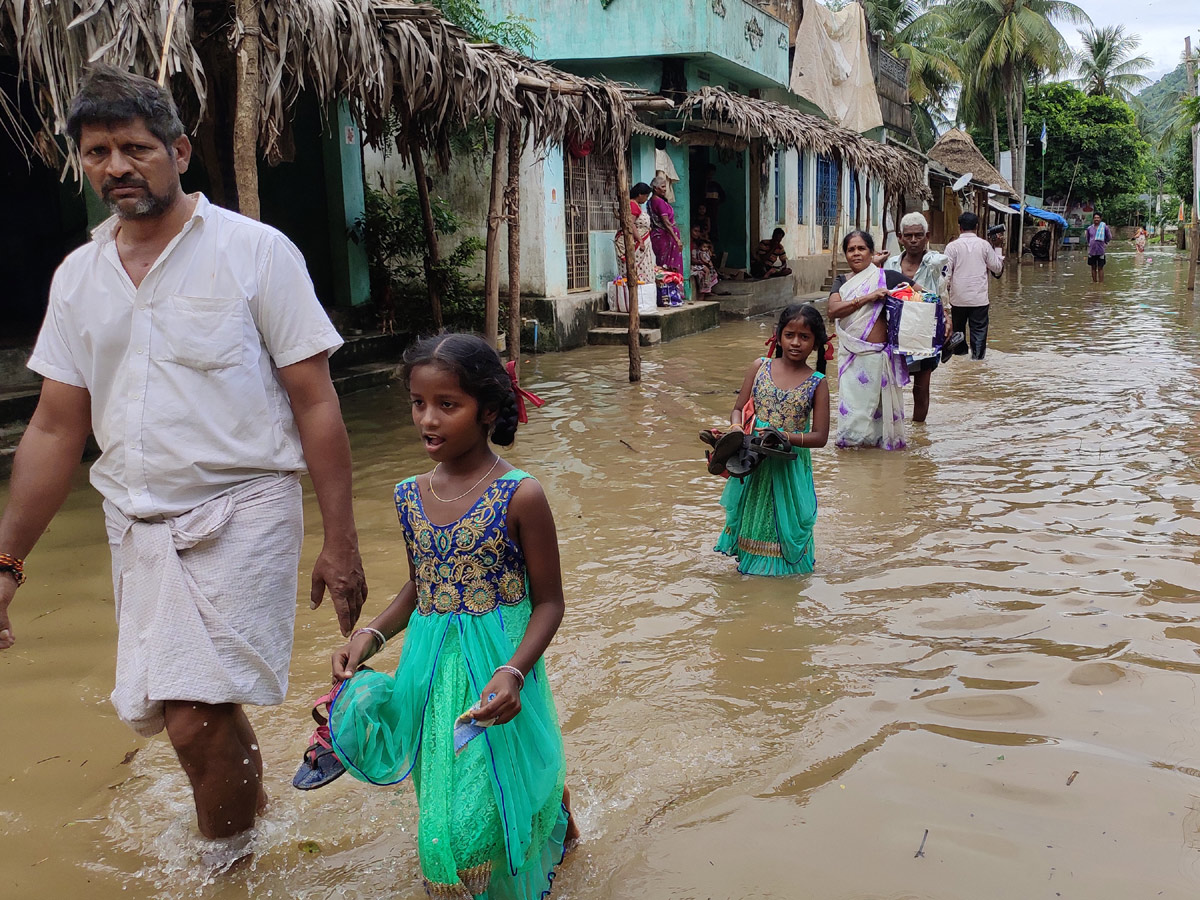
483	601
770	515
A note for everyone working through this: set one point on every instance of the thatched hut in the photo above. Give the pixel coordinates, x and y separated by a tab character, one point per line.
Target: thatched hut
777	125
239	69
714	114
954	155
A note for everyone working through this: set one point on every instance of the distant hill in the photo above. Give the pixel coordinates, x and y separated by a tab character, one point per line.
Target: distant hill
1154	105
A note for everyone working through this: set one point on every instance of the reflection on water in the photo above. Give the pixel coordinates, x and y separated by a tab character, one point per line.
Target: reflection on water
1000	644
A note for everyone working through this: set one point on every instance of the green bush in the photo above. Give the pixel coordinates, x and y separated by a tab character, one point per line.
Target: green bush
393	232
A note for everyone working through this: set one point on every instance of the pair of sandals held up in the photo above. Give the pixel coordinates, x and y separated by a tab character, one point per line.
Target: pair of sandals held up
737	453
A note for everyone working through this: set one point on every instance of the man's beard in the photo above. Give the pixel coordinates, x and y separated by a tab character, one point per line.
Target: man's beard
148	206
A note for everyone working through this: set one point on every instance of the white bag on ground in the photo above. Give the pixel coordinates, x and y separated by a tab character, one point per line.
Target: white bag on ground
618	298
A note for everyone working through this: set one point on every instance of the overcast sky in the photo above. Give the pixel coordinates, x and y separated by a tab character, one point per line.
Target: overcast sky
1161	25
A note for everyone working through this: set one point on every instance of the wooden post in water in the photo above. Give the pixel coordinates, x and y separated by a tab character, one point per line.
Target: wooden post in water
491	271
1194	237
631	281
245	112
432	259
512	197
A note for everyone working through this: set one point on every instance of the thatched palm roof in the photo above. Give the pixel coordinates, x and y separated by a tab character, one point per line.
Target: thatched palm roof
383	56
957	152
747	118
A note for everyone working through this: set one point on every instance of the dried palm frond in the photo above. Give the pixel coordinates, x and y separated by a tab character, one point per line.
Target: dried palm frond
383	57
746	118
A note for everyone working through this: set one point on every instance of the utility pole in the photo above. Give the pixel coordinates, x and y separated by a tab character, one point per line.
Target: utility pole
1021	188
1194	237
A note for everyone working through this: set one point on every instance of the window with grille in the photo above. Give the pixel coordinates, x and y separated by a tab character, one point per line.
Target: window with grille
590	184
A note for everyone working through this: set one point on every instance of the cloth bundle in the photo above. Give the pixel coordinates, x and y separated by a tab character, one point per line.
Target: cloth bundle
916	322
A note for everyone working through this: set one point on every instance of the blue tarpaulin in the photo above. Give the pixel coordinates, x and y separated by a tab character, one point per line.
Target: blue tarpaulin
1042	214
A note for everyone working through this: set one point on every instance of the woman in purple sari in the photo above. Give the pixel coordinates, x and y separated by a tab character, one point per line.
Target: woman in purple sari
664	233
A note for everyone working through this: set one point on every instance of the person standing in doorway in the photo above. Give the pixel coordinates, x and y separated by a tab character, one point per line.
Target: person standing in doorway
664	233
1098	237
927	269
189	340
714	196
970	259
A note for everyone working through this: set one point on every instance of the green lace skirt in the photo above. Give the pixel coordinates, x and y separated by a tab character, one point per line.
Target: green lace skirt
770	516
492	822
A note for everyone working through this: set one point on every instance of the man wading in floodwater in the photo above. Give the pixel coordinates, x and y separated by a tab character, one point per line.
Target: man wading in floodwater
190	341
928	270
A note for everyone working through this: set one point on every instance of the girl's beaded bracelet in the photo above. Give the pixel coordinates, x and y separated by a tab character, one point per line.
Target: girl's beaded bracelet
14	566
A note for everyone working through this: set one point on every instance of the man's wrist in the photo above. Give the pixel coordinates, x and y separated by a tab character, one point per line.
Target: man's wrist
341	540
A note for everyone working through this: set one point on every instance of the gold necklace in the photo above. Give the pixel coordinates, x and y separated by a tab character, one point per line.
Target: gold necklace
464	493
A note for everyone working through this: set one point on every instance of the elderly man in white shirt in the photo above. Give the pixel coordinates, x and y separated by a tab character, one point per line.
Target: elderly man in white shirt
928	270
189	339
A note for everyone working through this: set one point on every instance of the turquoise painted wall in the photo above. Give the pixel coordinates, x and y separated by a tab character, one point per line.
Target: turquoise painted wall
737	32
555	223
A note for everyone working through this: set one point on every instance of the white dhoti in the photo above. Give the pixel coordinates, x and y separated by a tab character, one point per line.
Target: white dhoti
206	601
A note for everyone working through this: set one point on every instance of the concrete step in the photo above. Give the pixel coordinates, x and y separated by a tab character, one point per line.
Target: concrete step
674	322
349	379
619	337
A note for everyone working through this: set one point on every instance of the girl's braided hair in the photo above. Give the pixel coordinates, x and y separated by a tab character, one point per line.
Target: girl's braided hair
480	373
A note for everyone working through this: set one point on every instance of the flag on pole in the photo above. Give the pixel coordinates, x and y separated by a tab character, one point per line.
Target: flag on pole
1043	138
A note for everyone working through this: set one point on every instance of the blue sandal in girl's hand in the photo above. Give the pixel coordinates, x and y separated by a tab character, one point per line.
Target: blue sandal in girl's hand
466	728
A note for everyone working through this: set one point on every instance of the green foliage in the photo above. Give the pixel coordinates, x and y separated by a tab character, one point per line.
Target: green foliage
1162	111
392	231
1181	175
1124	209
1093	141
468	15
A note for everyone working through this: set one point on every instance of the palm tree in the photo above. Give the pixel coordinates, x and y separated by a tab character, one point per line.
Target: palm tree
920	37
1106	64
1012	42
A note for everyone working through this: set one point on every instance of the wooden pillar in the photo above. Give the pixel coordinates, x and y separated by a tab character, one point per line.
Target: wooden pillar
883	217
867	191
631	280
245	113
512	197
858	196
433	274
491	272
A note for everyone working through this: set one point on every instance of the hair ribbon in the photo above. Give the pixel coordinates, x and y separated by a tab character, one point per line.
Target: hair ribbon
521	394
770	344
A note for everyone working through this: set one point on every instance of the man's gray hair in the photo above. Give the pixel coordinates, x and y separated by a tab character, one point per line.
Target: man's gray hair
110	96
914	218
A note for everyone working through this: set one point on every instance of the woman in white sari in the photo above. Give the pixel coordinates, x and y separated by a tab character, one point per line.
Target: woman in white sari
871	377
643	253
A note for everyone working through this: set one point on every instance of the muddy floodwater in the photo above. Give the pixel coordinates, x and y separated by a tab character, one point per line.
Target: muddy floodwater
988	689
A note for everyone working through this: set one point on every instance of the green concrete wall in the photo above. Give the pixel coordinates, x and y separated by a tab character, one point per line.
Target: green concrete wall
745	37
